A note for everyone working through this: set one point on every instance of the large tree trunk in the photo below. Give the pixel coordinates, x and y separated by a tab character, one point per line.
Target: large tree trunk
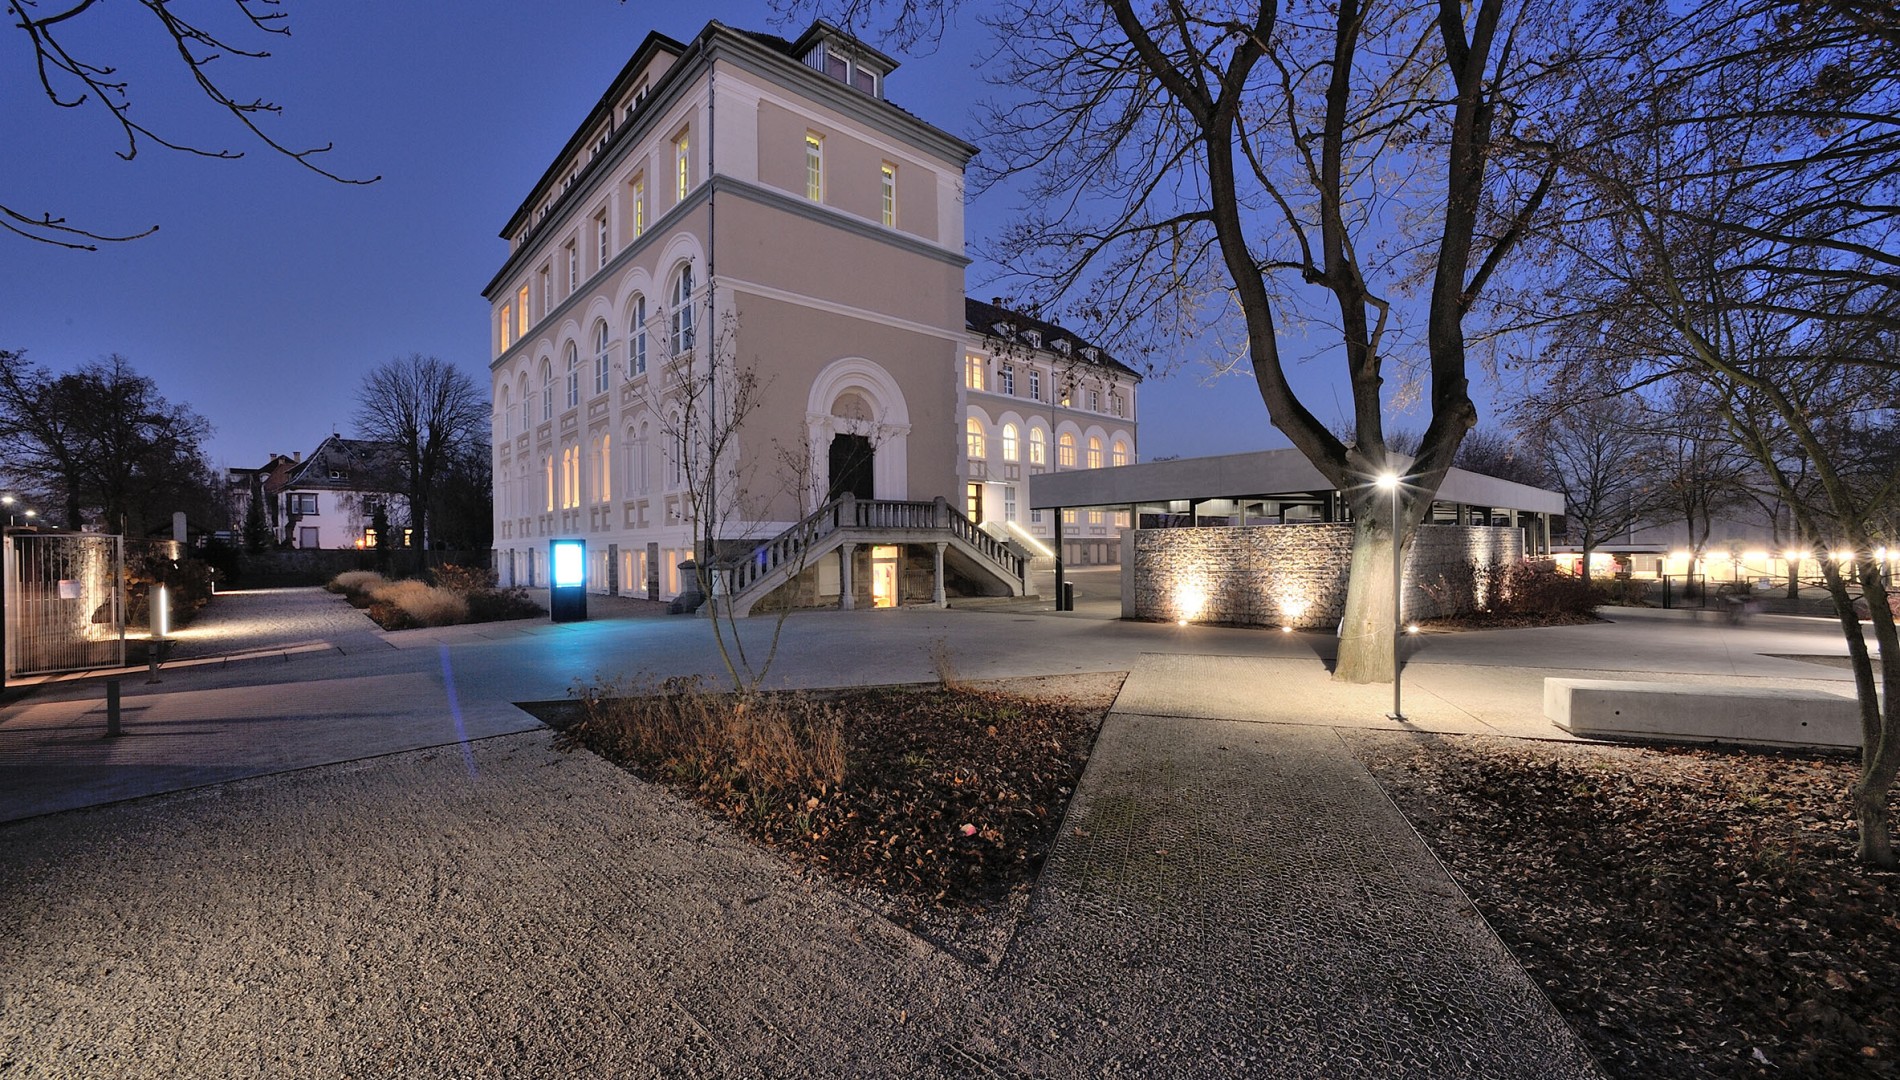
1366	633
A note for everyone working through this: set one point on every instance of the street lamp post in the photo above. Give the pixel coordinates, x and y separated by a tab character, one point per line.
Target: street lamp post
1390	482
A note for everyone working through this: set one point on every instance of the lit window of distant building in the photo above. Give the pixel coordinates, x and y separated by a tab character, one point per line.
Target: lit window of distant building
507	327
639	204
973	371
1038	447
973	431
1095	452
521	313
1009	442
1065	451
887	194
1118	453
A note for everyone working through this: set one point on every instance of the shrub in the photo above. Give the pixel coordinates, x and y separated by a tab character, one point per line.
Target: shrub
356	581
496	605
1456	590
464	579
420	604
1537	587
1628	592
755	745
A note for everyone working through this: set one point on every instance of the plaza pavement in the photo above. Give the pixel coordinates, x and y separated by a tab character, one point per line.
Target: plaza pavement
371	863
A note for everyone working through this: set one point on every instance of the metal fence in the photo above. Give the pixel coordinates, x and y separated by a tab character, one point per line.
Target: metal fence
64	601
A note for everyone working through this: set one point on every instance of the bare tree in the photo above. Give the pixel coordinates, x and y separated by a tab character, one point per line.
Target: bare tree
1592	451
1180	166
103	444
71	77
1728	221
430	414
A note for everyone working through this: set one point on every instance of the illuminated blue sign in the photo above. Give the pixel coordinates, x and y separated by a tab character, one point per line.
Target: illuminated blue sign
570	563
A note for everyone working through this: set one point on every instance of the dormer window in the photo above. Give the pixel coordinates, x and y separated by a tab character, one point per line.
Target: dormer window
846	68
1091	355
1034	337
1062	346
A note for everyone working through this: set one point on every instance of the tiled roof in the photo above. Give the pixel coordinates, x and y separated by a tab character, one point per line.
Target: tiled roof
339	464
984	318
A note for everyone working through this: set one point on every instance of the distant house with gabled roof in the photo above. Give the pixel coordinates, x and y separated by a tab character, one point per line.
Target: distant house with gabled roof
330	499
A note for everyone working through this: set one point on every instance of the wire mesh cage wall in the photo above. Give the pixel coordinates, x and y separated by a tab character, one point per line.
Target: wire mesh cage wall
65	602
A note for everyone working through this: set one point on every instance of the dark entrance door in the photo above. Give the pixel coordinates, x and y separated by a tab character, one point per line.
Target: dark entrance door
850	467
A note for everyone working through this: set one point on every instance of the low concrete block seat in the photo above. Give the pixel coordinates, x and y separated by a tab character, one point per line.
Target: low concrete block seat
1702	712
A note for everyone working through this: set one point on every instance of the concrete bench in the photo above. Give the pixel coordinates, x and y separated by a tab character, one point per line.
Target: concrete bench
1702	712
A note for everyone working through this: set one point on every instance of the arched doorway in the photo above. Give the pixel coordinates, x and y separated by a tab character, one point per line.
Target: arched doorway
859	427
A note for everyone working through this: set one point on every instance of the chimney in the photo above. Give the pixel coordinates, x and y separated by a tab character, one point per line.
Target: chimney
296	456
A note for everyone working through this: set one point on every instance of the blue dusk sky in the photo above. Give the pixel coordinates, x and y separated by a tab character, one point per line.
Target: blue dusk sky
269	291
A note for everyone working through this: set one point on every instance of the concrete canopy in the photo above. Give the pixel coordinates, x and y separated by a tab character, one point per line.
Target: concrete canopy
1260	473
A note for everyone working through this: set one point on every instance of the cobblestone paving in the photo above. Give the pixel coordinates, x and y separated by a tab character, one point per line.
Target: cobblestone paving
251	620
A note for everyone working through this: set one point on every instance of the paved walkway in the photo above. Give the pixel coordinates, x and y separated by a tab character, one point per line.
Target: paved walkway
1232	895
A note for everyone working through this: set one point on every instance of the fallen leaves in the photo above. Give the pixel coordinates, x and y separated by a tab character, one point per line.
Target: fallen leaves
1694	913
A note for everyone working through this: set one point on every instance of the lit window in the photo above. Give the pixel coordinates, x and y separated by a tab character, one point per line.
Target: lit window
573	268
1121	519
639	205
1038	447
600	358
547	394
606	467
637	338
600	239
973	372
973	431
683	309
1006	380
521	312
1118	453
814	166
1068	517
1095	517
1035	385
573	375
1066	403
547	470
887	187
1065	451
682	167
507	326
1095	452
1009	442
973	503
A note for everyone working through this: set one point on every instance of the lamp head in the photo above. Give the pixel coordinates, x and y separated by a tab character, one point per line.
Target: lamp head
1387	481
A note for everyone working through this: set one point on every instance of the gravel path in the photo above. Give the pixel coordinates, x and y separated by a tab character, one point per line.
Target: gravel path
505	909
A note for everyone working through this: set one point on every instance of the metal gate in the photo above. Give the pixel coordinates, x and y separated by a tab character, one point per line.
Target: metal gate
65	602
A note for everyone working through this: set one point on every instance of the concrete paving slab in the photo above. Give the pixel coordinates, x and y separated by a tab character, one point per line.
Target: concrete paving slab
55	755
1249	893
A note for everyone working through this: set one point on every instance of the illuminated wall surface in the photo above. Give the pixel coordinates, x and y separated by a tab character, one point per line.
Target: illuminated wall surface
1289	575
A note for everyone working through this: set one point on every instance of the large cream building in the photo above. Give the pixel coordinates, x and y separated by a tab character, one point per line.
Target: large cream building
755	208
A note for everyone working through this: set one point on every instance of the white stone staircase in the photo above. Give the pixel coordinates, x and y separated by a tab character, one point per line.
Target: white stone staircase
748	579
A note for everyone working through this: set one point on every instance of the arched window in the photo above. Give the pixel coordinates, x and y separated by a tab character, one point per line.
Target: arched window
547	469
600	357
1009	442
504	415
1065	451
526	399
1095	452
973	429
637	338
676	465
1038	447
1118	453
642	467
547	398
573	375
683	309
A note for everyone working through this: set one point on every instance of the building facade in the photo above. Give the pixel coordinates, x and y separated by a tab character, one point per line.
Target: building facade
1036	399
739	218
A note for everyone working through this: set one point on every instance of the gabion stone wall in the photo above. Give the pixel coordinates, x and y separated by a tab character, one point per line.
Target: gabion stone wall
1284	575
